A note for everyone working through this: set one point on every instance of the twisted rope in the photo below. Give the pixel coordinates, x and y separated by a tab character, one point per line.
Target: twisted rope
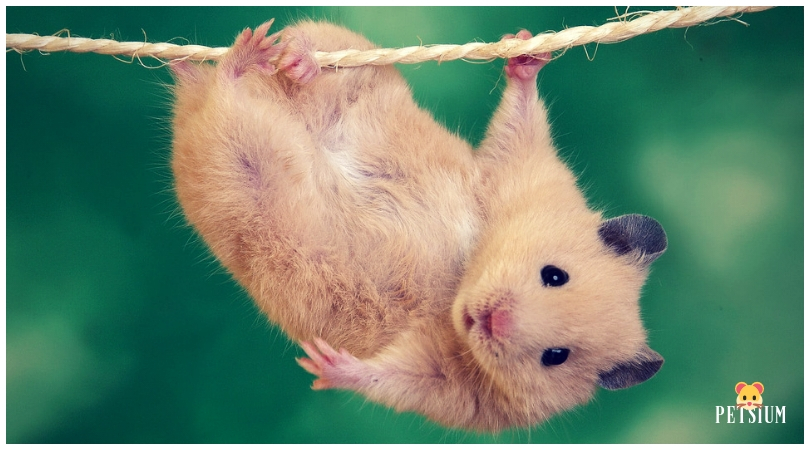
611	32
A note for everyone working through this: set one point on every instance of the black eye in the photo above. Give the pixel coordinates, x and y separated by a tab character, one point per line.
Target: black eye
554	356
744	398
754	398
553	276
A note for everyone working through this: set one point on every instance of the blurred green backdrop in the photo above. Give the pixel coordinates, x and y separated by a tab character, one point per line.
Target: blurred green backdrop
121	329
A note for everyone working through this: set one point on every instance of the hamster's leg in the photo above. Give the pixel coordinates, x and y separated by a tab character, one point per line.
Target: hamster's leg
519	124
220	154
249	176
242	159
402	376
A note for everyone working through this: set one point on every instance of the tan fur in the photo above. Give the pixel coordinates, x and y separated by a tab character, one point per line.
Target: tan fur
350	215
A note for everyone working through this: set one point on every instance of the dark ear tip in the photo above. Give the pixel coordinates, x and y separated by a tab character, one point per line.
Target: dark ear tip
634	232
655	233
646	363
656	364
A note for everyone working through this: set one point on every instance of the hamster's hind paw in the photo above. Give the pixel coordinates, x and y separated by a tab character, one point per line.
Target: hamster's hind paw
298	61
334	369
525	67
253	51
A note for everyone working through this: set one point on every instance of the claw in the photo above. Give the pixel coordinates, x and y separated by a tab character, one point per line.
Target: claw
330	366
262	29
321	384
309	365
321	355
315	362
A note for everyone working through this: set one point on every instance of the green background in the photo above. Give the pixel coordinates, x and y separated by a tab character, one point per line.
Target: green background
120	327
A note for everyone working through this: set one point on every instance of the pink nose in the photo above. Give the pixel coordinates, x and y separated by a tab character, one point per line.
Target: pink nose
749	403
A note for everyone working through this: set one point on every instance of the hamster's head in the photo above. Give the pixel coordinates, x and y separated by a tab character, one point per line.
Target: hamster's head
549	309
749	396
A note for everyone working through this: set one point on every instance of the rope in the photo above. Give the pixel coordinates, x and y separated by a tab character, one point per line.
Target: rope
620	30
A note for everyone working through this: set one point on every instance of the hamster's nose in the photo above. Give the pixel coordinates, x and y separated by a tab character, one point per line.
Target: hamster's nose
497	323
749	403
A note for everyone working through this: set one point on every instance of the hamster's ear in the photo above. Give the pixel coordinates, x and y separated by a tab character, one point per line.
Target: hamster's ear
738	387
634	233
759	386
629	373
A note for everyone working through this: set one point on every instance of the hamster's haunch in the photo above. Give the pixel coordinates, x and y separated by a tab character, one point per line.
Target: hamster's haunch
474	287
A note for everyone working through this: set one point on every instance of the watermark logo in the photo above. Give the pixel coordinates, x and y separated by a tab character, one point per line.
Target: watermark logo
749	396
749	399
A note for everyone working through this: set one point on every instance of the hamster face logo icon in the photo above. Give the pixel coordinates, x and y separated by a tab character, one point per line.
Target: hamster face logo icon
749	396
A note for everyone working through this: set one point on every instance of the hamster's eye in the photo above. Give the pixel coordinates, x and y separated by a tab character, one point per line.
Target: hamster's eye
553	276
754	398
554	356
744	397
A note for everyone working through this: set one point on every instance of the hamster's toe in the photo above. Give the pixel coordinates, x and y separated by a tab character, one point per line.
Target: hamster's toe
298	60
525	67
253	51
334	369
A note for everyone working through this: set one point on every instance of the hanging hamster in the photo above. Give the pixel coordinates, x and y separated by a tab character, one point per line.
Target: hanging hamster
474	287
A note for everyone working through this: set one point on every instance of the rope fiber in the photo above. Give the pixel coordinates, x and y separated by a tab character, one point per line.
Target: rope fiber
621	29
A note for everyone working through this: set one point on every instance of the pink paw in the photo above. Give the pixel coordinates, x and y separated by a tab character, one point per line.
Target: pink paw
253	51
334	369
525	67
298	61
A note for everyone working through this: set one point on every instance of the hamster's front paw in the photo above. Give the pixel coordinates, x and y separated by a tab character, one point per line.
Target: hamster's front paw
525	67
253	51
334	369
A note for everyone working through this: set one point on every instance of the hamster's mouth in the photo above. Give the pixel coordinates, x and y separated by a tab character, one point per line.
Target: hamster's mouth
468	320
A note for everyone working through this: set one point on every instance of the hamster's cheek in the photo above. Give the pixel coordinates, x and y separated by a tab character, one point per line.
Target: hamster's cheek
457	316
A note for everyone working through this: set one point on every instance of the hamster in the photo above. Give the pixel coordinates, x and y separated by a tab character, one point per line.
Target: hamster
749	396
474	287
